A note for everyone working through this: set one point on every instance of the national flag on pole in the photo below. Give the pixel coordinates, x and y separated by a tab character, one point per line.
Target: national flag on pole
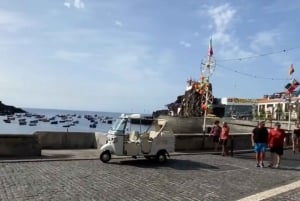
288	86
291	87
291	69
210	48
295	83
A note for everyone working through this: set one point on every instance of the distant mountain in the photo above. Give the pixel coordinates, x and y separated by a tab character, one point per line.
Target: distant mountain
7	109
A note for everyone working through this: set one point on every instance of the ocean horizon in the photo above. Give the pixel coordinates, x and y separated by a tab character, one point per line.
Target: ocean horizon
83	124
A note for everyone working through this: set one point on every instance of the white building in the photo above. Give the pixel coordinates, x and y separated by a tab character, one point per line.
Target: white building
278	108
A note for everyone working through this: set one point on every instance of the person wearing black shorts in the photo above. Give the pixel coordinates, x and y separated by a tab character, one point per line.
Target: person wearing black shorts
259	139
276	142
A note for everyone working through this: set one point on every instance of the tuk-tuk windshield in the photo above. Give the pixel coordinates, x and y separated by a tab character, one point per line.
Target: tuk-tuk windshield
119	124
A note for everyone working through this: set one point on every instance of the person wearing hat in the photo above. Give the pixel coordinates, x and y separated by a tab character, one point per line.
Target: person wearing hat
277	138
259	140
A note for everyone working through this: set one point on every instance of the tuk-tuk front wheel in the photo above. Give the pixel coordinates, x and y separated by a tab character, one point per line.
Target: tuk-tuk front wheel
105	156
161	157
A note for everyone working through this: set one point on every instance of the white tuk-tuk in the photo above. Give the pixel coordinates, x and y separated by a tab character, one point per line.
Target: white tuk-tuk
123	140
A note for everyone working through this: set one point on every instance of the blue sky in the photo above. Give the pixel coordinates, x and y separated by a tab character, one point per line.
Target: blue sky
136	55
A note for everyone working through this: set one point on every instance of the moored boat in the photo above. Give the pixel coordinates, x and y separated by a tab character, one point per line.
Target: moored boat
7	120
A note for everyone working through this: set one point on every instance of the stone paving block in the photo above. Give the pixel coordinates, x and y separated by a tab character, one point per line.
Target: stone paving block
184	177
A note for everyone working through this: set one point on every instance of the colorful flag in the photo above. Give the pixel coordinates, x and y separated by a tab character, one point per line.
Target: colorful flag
291	69
293	86
288	86
210	48
295	83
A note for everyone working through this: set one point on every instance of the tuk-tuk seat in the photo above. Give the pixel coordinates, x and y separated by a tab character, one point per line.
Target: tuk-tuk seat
153	134
134	136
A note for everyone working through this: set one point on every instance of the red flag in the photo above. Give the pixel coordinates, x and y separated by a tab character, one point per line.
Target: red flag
291	69
293	86
210	48
295	83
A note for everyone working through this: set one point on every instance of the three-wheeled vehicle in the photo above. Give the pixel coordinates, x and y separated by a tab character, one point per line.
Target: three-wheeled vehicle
123	139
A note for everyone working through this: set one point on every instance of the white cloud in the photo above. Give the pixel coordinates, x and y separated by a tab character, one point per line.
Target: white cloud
67	4
12	21
118	23
72	56
185	44
264	39
222	17
79	4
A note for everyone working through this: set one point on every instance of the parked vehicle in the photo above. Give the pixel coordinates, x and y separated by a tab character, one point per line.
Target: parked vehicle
123	139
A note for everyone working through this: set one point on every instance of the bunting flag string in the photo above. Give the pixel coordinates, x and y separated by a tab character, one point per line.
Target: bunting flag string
251	75
260	55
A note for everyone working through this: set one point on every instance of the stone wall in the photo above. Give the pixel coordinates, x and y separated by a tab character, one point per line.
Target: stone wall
194	142
66	140
187	125
19	145
31	145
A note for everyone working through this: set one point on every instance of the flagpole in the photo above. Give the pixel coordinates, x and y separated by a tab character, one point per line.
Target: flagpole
291	72
207	68
205	111
289	121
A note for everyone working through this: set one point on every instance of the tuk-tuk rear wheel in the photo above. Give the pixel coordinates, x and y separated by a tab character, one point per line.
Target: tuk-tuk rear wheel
105	156
161	157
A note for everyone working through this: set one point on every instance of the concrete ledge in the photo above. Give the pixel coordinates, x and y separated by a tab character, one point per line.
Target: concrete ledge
66	140
198	141
19	145
70	140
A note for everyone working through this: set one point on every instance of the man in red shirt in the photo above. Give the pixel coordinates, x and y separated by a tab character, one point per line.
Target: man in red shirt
276	142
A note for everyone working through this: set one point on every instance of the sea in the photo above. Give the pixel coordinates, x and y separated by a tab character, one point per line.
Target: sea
83	124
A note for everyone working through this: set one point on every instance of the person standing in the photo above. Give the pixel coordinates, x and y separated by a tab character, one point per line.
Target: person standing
224	138
259	139
215	132
277	138
296	138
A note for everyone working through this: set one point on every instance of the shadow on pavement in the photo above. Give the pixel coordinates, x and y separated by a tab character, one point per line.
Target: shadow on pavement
289	161
171	163
29	158
287	168
245	156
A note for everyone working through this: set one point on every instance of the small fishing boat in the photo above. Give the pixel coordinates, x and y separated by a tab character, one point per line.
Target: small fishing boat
32	124
7	120
93	125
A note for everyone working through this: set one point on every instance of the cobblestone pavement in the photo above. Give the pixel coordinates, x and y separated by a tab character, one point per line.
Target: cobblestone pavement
291	195
184	177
